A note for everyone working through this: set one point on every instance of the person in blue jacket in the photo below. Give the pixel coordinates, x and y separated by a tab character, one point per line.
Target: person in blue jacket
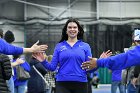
20	85
120	61
69	54
117	81
6	48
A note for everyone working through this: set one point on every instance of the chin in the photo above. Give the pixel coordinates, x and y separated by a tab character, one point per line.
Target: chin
73	36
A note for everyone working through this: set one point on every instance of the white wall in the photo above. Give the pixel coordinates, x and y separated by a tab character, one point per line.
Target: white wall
40	8
119	8
12	10
79	9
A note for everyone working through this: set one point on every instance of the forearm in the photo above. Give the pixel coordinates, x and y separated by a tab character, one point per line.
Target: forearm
14	64
114	62
27	50
48	65
121	61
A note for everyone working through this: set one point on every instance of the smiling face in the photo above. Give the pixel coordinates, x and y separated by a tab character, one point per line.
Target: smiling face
72	30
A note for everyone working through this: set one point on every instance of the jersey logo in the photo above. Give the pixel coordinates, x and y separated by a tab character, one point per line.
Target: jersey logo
63	48
80	46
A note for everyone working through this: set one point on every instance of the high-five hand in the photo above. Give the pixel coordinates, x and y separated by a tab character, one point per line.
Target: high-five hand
38	48
39	56
106	54
88	65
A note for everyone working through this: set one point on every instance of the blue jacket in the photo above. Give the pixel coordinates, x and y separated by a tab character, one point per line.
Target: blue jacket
9	49
121	61
69	60
116	75
17	82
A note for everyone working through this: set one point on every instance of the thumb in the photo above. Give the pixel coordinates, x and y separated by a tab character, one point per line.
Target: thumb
36	42
90	57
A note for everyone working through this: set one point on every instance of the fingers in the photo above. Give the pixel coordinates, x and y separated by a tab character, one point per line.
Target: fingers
133	81
43	47
106	54
107	51
20	61
88	65
85	65
34	55
102	55
90	58
36	42
38	54
39	48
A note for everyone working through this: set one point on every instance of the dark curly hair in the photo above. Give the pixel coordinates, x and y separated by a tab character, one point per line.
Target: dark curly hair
64	35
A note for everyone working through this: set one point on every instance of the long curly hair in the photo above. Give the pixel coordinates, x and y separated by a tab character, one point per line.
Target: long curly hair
64	35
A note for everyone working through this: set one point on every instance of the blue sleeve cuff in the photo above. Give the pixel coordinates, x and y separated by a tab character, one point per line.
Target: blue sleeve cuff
99	63
44	62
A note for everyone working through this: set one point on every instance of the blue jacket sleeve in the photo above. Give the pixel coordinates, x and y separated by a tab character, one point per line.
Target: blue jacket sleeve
121	61
88	52
54	62
9	49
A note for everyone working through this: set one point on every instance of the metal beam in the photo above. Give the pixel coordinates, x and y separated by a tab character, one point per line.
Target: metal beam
55	17
51	15
97	9
71	5
119	0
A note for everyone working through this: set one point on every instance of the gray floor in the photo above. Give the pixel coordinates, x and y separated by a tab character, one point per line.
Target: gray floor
103	88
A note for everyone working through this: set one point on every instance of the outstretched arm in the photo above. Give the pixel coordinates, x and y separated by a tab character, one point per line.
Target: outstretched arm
48	65
18	62
35	48
9	49
120	61
89	65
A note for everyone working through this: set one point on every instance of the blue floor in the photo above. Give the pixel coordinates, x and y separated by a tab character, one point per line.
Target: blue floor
103	88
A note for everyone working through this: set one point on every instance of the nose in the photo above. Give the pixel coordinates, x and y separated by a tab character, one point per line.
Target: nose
72	28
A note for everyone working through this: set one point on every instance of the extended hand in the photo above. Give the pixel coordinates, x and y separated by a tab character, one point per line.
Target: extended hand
19	61
106	54
133	81
39	56
38	48
88	65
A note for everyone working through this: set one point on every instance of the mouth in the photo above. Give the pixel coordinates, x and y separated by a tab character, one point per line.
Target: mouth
72	33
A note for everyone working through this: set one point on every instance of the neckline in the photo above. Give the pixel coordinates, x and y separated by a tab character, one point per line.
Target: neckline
72	44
